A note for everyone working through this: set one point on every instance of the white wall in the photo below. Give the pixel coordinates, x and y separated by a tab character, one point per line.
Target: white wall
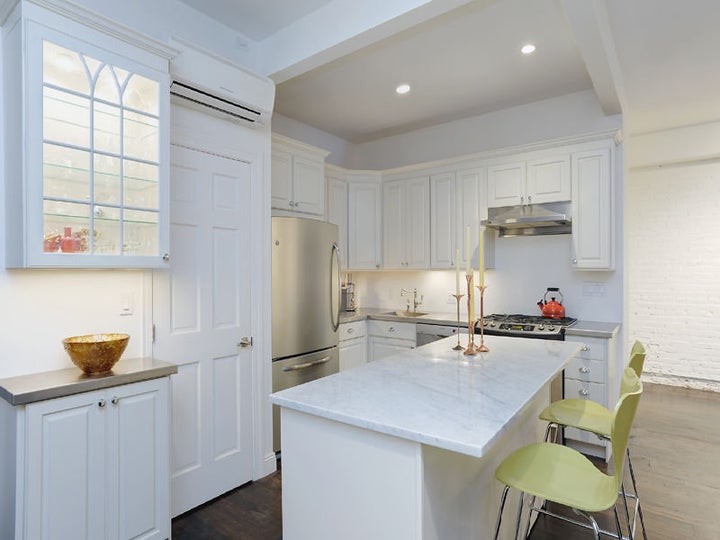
341	151
525	268
673	256
566	116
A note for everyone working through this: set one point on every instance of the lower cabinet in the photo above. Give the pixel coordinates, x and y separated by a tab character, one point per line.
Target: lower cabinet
92	465
386	338
353	345
590	375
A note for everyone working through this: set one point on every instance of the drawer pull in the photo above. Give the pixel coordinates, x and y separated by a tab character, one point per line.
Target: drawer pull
584	369
391	329
584	392
350	330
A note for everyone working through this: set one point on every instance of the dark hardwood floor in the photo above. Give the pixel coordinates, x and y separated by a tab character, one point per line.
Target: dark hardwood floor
675	445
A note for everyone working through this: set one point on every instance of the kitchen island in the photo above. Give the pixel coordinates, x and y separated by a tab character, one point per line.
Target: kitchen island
406	447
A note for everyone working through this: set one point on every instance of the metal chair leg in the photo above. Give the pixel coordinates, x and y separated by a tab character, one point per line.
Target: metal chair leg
519	518
503	498
637	497
627	510
617	524
547	431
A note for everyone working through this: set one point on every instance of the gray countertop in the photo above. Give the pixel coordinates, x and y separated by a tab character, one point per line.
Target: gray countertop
581	328
65	382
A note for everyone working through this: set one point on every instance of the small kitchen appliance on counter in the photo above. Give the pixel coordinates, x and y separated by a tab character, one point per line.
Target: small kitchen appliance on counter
554	308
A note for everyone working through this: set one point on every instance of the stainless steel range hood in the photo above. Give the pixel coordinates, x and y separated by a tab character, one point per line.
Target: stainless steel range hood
530	219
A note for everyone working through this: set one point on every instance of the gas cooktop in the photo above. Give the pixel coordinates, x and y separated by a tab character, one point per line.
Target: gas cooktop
525	326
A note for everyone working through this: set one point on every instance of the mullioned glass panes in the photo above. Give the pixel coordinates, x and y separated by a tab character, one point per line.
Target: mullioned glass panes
100	157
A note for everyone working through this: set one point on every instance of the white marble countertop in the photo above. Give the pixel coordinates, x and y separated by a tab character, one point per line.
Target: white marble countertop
437	396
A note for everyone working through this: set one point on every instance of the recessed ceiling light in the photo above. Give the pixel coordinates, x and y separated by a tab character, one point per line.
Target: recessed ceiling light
402	89
528	49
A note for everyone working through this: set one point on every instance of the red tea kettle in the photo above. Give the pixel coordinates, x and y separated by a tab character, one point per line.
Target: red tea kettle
552	309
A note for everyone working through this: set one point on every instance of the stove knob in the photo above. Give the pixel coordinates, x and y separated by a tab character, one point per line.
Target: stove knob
541	327
551	328
492	324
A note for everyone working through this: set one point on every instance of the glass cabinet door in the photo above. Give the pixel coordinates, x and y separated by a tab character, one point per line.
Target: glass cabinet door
101	157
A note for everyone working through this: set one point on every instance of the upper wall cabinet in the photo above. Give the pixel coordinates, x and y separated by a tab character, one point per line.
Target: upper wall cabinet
86	120
298	178
593	224
364	222
527	182
443	227
406	224
337	212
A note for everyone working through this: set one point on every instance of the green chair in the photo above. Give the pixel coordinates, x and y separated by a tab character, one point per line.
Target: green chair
592	417
562	475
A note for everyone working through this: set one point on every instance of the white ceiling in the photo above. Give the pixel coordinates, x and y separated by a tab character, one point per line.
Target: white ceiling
657	58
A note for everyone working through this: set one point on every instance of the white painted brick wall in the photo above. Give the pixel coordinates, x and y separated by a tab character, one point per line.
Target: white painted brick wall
673	272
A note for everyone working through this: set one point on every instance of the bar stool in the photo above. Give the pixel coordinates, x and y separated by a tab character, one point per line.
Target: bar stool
562	475
592	417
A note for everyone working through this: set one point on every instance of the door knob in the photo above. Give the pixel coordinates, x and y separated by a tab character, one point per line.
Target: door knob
245	342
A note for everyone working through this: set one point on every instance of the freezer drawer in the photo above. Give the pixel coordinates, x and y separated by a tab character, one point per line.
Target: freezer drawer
297	370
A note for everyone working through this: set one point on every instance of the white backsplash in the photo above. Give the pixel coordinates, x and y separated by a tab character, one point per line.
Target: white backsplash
525	268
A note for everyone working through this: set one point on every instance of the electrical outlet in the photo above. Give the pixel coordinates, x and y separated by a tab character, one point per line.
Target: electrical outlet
451	298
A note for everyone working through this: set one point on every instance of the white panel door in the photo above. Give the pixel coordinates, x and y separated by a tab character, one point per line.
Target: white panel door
443	220
308	186
281	180
337	213
138	441
548	179
506	184
417	223
66	461
364	226
202	309
393	226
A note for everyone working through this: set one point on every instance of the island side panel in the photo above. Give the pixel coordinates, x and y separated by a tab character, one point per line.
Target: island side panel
461	496
340	481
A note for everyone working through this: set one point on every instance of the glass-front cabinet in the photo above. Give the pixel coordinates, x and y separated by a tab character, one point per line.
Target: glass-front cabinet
95	152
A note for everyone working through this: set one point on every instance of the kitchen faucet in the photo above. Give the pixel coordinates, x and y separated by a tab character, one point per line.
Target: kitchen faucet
416	303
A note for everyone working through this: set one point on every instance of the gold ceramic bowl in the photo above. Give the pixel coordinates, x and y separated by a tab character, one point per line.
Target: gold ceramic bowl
96	353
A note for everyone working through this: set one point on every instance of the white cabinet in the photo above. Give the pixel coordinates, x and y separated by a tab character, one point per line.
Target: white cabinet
386	338
590	376
337	213
471	208
443	220
92	465
298	177
406	224
540	180
364	223
86	118
593	224
353	344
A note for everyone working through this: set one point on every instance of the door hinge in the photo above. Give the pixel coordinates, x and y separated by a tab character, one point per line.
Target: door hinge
153	333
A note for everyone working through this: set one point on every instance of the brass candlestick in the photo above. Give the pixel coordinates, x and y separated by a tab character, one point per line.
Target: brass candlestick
471	320
457	297
482	347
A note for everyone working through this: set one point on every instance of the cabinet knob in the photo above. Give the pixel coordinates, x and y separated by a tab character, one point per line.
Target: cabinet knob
350	330
166	257
574	261
101	403
584	392
522	200
291	204
391	329
529	199
584	369
586	347
377	266
115	400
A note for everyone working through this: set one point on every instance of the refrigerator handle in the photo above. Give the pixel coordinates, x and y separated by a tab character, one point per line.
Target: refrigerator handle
335	317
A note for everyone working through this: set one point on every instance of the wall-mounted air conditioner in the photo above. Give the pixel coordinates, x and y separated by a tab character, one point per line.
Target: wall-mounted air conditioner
202	80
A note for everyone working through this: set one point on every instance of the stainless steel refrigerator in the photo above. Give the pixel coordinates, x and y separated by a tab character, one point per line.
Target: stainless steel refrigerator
305	304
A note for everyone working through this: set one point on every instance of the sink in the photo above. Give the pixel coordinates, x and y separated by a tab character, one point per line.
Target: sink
407	313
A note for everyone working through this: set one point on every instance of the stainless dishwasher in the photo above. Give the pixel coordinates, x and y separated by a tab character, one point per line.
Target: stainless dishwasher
427	333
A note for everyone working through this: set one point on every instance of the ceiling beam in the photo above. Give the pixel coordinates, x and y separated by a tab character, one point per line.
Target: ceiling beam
340	28
589	25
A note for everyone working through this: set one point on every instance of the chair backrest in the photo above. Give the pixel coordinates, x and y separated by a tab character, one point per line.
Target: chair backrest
637	357
623	419
637	361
